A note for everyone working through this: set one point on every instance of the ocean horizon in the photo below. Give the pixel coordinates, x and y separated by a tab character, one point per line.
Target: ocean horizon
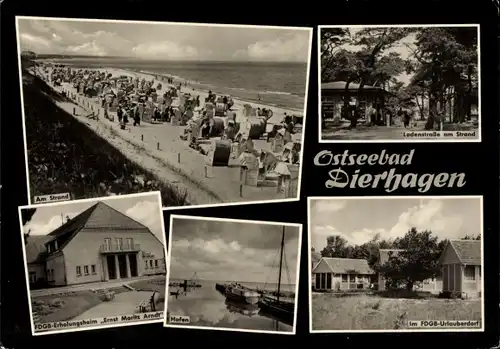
278	84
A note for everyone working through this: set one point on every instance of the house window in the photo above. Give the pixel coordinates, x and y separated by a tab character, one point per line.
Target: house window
119	243
107	244
86	269
32	277
156	263
146	264
129	243
92	268
470	272
49	248
78	271
151	263
352	278
344	277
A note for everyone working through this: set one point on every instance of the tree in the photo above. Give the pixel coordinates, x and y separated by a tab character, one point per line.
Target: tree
417	261
472	237
26	215
332	40
335	247
368	65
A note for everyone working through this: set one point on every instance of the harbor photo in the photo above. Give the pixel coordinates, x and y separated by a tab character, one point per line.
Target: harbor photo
411	264
233	275
208	114
400	83
94	263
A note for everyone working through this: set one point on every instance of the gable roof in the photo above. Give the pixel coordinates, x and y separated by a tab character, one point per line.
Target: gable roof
468	251
35	248
385	254
347	265
95	217
340	85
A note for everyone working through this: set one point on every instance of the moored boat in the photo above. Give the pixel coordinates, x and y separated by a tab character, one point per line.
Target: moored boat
238	293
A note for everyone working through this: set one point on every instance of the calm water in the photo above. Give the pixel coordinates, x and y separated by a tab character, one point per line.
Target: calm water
208	308
278	84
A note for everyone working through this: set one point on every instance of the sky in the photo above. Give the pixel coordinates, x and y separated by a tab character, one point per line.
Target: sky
231	251
358	220
146	209
163	41
404	48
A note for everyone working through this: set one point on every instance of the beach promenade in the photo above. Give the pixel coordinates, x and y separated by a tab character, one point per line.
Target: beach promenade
158	148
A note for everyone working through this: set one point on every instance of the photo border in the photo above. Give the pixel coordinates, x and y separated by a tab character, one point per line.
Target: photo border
117	21
310	199
26	273
406	140
232	220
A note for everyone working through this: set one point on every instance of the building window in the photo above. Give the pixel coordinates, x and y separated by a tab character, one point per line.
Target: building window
344	277
156	263
470	272
151	263
49	248
32	277
119	243
146	264
352	278
107	243
130	243
86	269
78	271
92	268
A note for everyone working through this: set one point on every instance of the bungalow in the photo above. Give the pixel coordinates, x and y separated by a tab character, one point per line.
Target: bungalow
342	274
461	265
430	285
99	244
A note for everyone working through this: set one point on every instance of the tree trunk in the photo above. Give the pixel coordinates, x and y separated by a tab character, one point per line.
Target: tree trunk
409	285
346	114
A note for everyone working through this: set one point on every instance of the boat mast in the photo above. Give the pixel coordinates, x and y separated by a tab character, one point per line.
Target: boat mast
281	262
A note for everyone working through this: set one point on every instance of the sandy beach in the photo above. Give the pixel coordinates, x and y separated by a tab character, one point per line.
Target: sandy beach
158	148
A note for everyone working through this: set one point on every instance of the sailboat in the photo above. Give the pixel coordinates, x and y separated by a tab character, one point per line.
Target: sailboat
281	309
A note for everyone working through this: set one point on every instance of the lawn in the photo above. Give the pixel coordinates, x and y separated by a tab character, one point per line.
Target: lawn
63	307
65	155
365	312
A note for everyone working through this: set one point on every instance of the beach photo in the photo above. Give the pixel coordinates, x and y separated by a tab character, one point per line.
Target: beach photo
94	263
233	275
208	114
404	83
396	264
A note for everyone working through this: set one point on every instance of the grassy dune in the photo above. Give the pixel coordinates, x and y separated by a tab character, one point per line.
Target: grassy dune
65	155
365	312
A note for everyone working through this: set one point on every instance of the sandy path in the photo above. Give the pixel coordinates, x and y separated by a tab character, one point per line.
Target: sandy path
123	304
173	160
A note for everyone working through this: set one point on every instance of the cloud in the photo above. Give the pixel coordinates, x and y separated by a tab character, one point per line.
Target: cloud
326	206
218	259
48	225
292	47
165	50
147	213
428	216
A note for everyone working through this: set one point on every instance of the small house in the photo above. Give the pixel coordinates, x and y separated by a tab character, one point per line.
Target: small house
342	274
461	265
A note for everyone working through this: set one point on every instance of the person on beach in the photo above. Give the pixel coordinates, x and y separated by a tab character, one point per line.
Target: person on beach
137	117
230	131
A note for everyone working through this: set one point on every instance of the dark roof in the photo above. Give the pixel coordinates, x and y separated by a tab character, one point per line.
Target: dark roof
348	265
97	216
35	248
340	85
468	251
386	253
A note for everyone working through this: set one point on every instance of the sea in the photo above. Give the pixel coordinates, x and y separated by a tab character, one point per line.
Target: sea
207	307
276	84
